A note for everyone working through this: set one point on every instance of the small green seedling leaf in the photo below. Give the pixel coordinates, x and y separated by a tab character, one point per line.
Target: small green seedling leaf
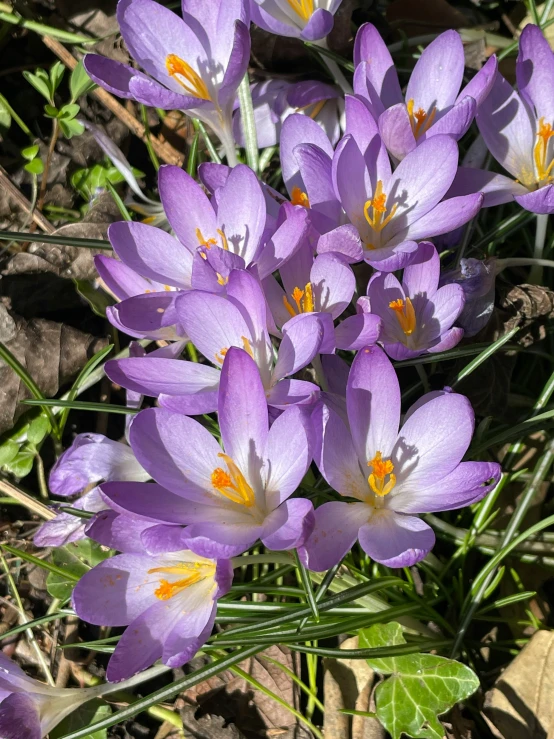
5	117
38	429
8	451
30	152
71	128
80	83
69	111
51	111
21	465
421	687
56	76
97	299
60	586
35	167
38	82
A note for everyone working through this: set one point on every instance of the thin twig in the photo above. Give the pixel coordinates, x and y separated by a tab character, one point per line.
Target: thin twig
7	185
48	162
26	500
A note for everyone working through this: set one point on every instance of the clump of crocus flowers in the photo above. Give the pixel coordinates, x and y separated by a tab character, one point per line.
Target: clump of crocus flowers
293	354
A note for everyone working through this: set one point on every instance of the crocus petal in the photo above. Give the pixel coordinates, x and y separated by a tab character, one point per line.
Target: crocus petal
335	531
302	337
288	455
344	240
535	71
292	392
355	332
177	451
396	131
151	252
336	372
117	531
447	304
316	169
465	485
203	401
479	87
539	201
148	501
241	212
113	76
421	277
438	73
65	528
242	412
319	26
186	206
433	441
456	122
448	340
213	323
154	375
373	402
392	257
190	633
120	279
292	231
236	64
446	216
297	527
395	540
19	717
116	591
333	283
235	538
299	129
371	50
148	92
151	314
496	188
506	126
277	23
351	178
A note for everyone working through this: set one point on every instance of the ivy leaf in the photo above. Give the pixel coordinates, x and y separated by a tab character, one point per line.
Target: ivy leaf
420	688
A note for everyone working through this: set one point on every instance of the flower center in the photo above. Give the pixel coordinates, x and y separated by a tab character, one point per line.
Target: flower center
304	8
232	483
208	243
405	314
420	121
188	574
543	167
382	468
375	210
303	299
299	198
186	77
220	356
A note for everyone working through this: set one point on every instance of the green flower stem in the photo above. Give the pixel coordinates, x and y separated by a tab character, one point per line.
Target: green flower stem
8	16
535	276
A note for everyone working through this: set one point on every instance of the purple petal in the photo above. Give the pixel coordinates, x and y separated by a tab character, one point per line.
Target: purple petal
202	401
66	528
319	26
373	402
288	455
396	131
448	340
355	332
148	92
20	718
344	240
535	72
279	24
395	540
438	73
299	129
297	528
292	392
456	122
151	252
302	337
496	188
120	279
242	412
236	65
333	283
117	531
241	212
539	201
203	546
234	538
391	258
148	501
336	372
150	315
154	375
336	529
421	277
111	75
444	217
315	168
188	635
162	538
371	50
291	233
479	87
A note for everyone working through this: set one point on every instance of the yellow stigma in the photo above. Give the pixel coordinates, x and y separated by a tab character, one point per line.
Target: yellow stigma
193	573
304	8
544	134
208	243
299	198
186	77
382	468
405	314
304	300
375	209
220	356
232	484
419	119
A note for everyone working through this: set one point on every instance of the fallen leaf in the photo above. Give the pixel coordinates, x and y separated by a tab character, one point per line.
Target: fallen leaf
521	704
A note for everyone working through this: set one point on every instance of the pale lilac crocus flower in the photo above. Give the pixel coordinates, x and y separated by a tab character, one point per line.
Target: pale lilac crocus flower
518	130
309	20
394	473
433	103
168	601
393	210
30	709
274	100
194	63
231	497
215	323
418	316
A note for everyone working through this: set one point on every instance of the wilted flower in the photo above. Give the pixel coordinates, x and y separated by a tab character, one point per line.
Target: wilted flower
194	64
310	20
393	473
477	279
433	102
417	315
168	601
215	323
230	497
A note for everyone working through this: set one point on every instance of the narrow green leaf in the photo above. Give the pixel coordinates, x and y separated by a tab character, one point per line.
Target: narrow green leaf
31	559
249	124
39	84
53	239
484	355
80	83
80	405
421	687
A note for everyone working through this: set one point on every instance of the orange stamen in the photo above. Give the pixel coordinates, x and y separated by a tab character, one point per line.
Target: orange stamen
405	315
194	572
299	198
232	484
304	8
186	76
304	300
381	469
375	209
544	134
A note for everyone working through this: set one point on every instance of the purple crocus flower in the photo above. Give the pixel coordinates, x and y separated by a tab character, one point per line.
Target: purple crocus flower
274	100
392	211
518	130
194	64
417	315
433	102
321	284
168	601
229	497
310	20
394	473
215	323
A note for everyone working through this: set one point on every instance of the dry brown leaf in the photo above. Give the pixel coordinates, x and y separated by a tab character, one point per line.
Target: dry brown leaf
52	354
521	704
253	713
348	683
70	262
